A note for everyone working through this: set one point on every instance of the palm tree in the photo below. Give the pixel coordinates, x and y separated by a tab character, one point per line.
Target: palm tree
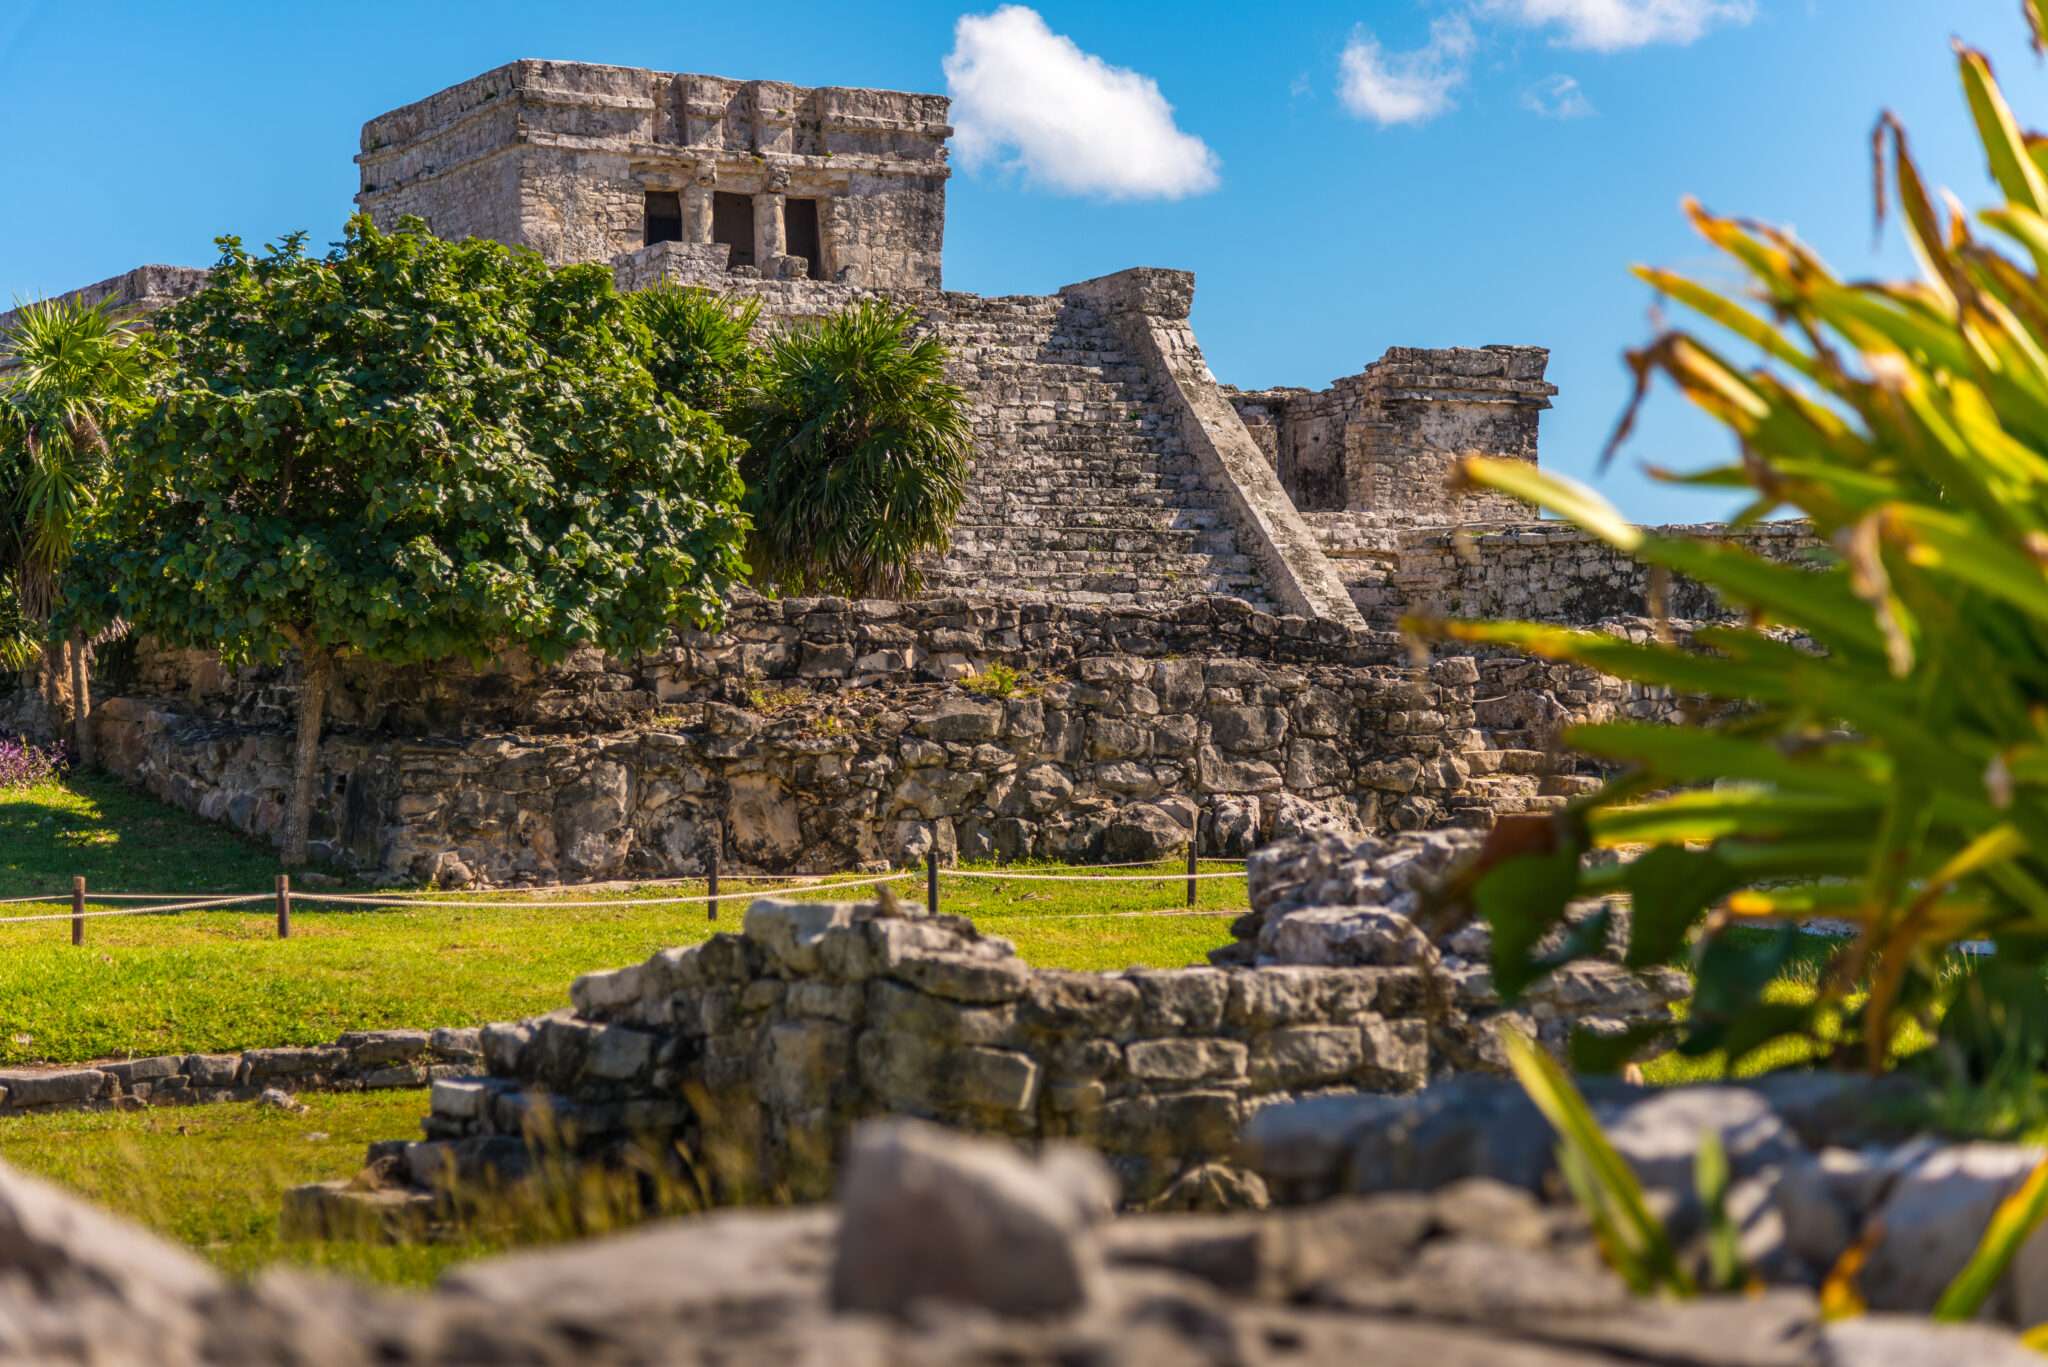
703	347
859	454
69	371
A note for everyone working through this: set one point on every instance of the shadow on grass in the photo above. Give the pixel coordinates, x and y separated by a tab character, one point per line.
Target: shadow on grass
119	839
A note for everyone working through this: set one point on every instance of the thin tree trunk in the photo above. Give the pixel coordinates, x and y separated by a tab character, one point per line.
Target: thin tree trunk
53	686
316	666
81	701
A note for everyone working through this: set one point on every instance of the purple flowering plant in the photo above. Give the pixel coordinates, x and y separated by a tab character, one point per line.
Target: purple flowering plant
23	765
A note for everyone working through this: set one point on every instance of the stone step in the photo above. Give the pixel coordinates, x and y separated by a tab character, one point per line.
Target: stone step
998	514
1051	565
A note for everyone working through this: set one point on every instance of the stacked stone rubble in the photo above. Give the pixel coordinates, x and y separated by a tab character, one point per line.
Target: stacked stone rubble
1333	900
948	1250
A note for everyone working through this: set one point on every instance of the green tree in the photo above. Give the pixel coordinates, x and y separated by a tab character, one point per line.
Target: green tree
1897	777
858	454
73	372
410	450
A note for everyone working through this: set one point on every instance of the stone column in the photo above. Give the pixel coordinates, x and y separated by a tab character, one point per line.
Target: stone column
833	233
771	235
697	204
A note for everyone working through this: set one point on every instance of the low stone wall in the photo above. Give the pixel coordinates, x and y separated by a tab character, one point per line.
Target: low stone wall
761	1050
1553	572
818	735
362	1060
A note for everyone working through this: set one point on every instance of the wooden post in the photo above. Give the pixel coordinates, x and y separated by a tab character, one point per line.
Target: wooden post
1191	871
284	906
78	909
931	875
711	877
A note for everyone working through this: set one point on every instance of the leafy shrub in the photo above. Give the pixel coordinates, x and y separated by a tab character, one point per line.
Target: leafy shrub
23	765
1897	778
1002	681
858	454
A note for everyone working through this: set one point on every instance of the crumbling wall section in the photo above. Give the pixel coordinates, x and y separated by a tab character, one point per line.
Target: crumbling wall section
1384	440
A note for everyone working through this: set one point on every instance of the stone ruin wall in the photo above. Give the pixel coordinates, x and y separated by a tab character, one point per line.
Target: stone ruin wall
561	157
825	735
1112	473
1382	442
1553	572
1523	568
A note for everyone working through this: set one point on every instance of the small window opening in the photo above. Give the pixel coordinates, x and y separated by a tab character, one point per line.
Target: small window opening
732	222
800	228
664	216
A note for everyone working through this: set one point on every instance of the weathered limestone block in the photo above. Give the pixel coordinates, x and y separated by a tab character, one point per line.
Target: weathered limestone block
31	1090
1186	1060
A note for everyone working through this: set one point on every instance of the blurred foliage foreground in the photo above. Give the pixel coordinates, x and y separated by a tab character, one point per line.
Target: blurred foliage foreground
1869	745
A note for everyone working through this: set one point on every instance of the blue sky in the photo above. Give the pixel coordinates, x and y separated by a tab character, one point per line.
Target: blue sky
1319	232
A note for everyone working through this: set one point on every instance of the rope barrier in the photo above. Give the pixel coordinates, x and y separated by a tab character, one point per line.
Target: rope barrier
142	896
1087	878
379	900
810	883
138	911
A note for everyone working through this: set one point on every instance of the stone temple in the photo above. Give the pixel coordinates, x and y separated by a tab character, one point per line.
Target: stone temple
584	163
1113	468
1202	580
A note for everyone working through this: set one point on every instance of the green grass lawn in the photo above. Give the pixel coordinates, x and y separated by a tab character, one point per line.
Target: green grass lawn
218	981
213	1177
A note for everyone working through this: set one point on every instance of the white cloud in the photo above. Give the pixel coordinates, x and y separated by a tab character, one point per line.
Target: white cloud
1557	97
1405	87
1029	98
1614	25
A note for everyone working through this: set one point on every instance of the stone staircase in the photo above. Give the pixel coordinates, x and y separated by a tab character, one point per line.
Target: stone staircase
1512	770
1081	491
